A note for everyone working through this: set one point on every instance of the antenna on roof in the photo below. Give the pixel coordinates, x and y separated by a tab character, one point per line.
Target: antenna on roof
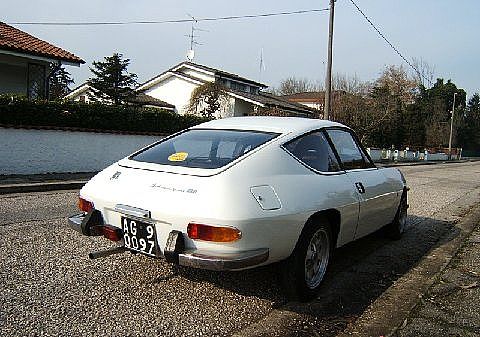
190	55
262	66
192	36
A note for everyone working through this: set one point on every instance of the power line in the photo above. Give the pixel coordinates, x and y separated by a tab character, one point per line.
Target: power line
221	18
390	44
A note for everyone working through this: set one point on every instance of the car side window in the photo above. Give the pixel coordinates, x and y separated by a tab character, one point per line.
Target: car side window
351	155
314	150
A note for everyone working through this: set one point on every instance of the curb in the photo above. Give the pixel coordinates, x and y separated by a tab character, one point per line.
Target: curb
41	187
390	312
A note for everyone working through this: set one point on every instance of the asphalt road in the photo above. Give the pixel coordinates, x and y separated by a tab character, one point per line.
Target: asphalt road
51	288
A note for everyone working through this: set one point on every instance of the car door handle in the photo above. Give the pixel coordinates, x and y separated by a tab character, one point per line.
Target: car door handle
360	187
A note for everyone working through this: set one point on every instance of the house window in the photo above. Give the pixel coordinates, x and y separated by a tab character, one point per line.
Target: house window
239	86
82	98
37	88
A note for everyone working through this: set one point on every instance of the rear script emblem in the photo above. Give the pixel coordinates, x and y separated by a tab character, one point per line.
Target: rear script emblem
115	175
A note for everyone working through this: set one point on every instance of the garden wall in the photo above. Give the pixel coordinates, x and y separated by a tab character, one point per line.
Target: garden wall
27	151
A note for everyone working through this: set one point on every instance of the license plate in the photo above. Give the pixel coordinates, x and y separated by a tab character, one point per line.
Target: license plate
139	236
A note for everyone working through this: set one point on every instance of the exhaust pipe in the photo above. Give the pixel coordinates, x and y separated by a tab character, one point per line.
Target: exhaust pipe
107	252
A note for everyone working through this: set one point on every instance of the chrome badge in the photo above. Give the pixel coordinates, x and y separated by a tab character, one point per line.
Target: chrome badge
115	175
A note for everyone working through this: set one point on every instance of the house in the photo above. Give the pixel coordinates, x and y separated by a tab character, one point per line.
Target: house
26	62
83	92
314	100
244	96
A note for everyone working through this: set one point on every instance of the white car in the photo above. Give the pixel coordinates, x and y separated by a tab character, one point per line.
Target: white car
241	192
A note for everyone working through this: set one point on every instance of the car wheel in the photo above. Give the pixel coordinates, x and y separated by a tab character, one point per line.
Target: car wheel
305	269
397	227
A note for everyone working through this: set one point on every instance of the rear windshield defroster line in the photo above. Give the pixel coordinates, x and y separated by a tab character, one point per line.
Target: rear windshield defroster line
204	148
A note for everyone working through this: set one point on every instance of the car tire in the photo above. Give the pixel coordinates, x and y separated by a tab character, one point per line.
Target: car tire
397	227
304	270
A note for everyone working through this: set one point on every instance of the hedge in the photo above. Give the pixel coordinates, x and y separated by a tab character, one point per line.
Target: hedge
18	111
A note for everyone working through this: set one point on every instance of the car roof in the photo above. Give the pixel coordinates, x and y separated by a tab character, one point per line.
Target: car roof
283	125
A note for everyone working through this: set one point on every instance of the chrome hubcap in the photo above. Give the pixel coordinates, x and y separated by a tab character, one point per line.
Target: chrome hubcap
316	259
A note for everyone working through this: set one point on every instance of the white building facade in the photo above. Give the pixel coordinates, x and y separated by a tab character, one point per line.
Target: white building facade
243	96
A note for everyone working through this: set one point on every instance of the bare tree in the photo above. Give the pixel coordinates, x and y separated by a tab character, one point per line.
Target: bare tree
293	85
398	83
350	84
424	73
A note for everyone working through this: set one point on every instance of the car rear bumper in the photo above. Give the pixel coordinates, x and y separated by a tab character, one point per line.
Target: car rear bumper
75	222
225	261
176	253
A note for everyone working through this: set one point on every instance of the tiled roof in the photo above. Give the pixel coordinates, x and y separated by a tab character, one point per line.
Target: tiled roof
222	73
216	72
314	96
144	99
14	39
305	96
272	101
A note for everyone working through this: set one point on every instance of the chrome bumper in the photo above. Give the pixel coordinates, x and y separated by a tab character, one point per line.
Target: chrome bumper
176	253
223	261
75	222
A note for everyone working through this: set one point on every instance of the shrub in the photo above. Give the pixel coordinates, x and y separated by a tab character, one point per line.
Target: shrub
17	111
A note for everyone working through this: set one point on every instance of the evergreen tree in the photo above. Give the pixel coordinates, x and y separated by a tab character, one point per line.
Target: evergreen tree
58	84
469	130
435	105
112	82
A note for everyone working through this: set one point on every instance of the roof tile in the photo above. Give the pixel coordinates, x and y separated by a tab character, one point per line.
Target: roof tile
14	39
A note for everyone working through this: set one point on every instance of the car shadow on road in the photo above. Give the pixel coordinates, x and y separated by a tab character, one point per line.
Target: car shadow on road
359	273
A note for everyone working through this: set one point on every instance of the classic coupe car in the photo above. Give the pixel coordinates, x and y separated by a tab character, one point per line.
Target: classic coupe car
241	192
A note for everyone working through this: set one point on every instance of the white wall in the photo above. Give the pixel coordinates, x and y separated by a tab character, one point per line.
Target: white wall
51	151
175	91
242	108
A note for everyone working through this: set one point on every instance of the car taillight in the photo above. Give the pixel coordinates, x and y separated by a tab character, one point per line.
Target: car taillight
85	205
112	233
213	233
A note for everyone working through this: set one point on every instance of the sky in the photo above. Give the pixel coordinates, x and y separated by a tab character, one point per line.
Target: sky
443	33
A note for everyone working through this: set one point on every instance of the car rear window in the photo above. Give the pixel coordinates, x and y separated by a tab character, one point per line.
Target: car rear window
202	148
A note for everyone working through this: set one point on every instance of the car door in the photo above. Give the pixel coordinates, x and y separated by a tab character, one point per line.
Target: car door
330	188
374	191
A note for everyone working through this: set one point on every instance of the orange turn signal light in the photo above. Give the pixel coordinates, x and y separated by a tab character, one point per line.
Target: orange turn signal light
213	233
85	205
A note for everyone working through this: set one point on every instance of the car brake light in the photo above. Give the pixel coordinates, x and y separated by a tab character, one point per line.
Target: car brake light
111	232
213	233
85	205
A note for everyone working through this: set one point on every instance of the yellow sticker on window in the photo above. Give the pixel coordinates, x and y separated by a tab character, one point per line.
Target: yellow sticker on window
179	156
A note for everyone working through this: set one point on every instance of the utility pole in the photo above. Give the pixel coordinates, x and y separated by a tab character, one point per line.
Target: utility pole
451	129
328	77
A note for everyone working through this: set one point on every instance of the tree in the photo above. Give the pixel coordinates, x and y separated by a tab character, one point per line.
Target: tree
112	82
207	100
375	109
293	85
59	82
469	129
398	84
435	105
424	73
350	84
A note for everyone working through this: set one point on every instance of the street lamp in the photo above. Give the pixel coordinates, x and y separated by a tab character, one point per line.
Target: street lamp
451	129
